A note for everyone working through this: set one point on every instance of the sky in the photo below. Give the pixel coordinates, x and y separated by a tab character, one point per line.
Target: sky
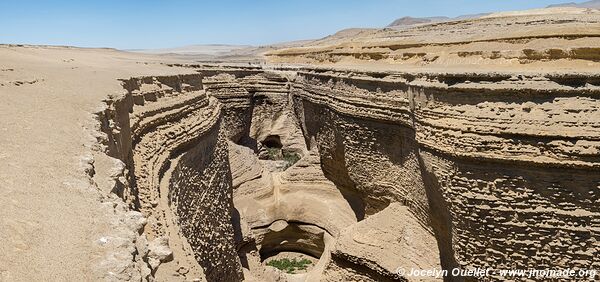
149	24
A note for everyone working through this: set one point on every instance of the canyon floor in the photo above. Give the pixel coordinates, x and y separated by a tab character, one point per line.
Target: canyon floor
471	143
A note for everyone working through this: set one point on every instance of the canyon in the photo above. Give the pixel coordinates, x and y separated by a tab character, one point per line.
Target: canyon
457	145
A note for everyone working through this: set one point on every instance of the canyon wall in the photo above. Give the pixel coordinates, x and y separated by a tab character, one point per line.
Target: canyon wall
168	134
489	135
361	172
256	106
362	128
500	168
316	193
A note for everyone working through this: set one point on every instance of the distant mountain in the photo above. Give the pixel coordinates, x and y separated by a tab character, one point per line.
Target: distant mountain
412	21
208	49
408	21
594	4
470	16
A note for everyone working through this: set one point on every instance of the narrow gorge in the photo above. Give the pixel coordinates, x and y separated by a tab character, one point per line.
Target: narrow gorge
355	173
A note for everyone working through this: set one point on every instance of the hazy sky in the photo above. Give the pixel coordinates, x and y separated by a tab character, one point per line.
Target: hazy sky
128	24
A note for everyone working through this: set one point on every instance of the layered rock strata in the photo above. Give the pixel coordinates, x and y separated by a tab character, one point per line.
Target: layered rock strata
564	38
168	133
362	173
271	202
499	167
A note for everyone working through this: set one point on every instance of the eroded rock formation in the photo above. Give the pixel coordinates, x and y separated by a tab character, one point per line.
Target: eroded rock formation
523	40
361	173
168	132
491	168
460	144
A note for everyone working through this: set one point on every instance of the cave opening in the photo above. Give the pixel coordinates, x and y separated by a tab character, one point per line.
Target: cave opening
272	142
272	149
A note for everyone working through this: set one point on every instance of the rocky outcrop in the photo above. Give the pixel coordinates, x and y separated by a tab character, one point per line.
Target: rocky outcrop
256	106
361	173
564	38
167	132
497	167
368	149
312	193
374	249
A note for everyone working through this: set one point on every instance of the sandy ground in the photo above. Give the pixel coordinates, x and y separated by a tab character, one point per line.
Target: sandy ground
50	217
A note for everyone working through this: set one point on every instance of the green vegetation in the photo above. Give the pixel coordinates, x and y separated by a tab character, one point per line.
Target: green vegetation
290	159
274	153
277	154
289	266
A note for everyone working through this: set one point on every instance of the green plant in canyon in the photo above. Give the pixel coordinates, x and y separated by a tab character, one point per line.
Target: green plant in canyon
289	266
290	159
277	154
274	153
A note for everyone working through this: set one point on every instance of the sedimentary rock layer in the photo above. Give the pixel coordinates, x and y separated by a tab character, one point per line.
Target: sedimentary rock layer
168	132
410	170
563	38
304	195
500	168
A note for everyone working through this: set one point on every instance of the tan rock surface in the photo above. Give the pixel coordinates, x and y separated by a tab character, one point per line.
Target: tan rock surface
559	39
471	143
383	243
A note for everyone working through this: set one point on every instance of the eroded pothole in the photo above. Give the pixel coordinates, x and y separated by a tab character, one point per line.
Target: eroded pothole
291	247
